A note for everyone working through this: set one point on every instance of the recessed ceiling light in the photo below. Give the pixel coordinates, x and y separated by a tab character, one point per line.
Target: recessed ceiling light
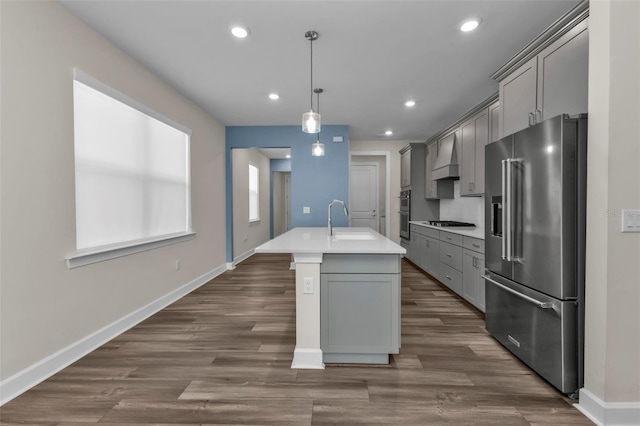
274	96
388	132
410	103
239	32
470	25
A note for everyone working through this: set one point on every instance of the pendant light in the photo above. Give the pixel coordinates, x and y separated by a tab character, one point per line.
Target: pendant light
317	149
311	119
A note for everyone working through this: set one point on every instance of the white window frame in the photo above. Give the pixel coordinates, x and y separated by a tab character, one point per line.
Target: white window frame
98	254
254	198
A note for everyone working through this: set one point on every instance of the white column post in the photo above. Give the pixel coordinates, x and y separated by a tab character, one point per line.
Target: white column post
307	353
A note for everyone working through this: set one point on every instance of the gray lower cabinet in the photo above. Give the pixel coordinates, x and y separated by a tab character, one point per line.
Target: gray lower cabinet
433	257
425	249
359	308
472	282
451	261
455	260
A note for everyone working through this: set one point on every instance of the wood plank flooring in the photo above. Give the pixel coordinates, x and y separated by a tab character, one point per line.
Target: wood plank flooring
222	355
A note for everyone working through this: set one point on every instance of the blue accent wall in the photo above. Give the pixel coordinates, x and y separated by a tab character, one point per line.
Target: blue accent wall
315	181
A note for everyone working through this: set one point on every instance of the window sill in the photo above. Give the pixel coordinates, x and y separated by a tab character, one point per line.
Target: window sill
254	220
100	254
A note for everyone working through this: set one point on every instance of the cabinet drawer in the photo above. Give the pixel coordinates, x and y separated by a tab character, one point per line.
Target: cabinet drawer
448	237
451	255
360	263
427	232
451	278
430	232
474	244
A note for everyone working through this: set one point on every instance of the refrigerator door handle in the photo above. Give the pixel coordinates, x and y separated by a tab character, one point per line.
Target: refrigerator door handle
538	303
508	219
506	214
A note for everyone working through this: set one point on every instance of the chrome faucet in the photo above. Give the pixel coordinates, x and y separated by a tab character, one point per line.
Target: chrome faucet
346	213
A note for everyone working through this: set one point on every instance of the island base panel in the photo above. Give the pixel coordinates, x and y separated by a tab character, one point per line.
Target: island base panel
356	358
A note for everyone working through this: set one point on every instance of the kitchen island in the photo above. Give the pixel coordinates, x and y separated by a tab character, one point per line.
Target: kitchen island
347	294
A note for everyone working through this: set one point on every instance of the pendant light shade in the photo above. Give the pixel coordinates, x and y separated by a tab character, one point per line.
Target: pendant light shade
311	119
311	122
317	149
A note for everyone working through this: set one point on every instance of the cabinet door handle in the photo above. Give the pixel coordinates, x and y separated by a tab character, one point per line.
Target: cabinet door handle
532	119
475	245
448	277
448	254
538	116
449	238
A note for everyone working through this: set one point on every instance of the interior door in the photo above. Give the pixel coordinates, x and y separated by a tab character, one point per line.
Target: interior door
363	207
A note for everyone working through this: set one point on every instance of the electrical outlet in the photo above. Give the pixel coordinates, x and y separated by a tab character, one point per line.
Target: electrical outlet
308	285
630	220
306	210
177	264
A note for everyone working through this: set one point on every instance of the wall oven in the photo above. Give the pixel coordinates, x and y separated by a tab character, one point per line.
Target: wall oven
405	213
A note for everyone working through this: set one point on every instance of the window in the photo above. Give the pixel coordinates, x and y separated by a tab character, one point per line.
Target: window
131	169
254	204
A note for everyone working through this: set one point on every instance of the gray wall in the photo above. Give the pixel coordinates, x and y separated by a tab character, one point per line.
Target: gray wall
45	306
247	236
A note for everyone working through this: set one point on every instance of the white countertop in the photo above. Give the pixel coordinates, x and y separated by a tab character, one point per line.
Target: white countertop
469	232
344	240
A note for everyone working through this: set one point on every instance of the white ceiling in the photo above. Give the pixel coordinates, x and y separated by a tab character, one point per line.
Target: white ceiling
275	153
370	57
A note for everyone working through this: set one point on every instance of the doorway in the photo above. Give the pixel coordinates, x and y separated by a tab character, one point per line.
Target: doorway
382	160
281	203
365	205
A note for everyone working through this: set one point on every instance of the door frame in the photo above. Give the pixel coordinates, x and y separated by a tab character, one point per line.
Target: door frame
387	189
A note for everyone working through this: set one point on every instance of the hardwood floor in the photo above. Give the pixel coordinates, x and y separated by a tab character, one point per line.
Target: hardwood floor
222	355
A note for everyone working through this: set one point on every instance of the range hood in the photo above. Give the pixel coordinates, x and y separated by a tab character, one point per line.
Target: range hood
446	165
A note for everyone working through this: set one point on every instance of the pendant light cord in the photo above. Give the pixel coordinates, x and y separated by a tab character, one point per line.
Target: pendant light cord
311	91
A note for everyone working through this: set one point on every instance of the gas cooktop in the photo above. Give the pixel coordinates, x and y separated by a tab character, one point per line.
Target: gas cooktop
446	223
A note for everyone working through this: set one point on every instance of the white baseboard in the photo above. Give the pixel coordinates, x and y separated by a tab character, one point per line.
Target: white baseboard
243	256
307	359
608	413
24	380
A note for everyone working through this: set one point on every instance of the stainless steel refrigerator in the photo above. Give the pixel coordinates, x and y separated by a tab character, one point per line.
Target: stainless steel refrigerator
535	239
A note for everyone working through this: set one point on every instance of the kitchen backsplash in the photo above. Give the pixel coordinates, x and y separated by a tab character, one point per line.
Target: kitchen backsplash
463	209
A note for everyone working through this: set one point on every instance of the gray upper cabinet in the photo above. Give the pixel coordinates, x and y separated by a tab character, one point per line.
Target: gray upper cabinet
555	81
405	169
412	177
474	136
563	74
464	141
494	121
518	98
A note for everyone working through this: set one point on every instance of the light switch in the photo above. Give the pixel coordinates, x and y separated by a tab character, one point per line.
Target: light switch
630	220
308	285
306	210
